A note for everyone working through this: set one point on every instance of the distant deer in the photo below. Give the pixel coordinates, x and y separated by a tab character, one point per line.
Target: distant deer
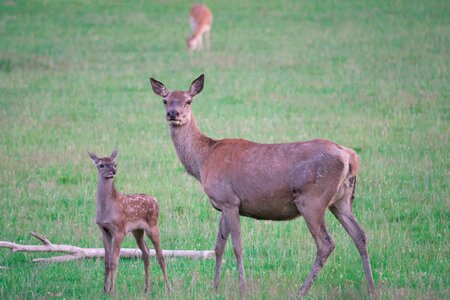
118	214
267	181
200	18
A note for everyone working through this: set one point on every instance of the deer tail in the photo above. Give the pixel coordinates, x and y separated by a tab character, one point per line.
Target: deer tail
352	172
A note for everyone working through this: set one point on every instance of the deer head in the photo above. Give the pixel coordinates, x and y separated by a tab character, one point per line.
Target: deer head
178	103
106	166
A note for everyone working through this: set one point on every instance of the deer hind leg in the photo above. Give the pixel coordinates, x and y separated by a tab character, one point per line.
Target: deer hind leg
221	242
107	244
155	236
139	236
315	220
342	210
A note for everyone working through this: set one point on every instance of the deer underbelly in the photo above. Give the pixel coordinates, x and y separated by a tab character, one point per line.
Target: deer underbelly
269	209
137	224
273	201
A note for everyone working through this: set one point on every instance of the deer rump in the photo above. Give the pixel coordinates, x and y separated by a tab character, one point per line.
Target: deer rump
265	179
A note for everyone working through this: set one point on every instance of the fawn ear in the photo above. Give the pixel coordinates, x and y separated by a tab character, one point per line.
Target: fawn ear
158	88
197	85
114	154
93	157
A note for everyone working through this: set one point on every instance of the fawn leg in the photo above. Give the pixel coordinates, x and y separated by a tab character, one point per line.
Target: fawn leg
107	244
114	259
221	242
139	236
155	237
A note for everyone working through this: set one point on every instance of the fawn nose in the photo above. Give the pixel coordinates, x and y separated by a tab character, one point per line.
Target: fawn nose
172	114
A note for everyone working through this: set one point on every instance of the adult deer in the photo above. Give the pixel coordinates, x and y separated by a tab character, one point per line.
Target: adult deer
267	181
118	214
200	18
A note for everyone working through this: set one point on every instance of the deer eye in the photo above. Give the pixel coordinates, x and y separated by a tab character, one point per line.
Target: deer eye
164	101
189	102
101	166
115	166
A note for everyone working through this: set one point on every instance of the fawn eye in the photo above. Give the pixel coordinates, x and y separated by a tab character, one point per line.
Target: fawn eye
189	102
115	165
164	101
101	166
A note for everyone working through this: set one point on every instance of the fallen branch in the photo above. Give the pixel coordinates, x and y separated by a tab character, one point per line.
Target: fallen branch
80	253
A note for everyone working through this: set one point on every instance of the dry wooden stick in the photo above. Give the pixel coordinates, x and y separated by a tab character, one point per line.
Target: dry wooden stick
80	253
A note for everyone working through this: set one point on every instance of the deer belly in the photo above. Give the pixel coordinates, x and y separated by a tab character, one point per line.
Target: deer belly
276	209
136	224
272	200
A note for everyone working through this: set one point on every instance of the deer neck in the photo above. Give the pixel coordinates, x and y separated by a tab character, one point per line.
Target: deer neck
106	198
191	145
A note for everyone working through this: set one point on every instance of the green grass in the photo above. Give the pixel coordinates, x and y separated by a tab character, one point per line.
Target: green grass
373	76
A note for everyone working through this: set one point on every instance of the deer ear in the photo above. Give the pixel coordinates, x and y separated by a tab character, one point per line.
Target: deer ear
197	85
114	154
158	88
93	157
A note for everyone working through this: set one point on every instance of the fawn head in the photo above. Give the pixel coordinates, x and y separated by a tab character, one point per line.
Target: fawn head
178	103
106	166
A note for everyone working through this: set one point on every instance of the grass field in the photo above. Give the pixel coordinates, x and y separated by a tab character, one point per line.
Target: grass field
371	75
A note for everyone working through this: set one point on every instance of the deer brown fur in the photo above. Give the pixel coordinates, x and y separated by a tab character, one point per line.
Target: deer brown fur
118	214
267	181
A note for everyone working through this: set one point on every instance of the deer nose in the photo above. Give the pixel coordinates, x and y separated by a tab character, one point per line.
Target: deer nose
172	114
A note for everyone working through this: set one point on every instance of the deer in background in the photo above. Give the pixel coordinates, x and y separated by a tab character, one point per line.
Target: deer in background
267	182
200	18
117	214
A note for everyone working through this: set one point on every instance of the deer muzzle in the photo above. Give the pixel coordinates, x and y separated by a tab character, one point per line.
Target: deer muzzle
172	115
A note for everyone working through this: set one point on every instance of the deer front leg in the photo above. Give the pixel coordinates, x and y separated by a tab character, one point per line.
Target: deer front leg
221	242
234	226
200	42
107	244
208	39
114	259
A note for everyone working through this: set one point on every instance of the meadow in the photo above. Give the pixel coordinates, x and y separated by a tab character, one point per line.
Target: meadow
370	75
